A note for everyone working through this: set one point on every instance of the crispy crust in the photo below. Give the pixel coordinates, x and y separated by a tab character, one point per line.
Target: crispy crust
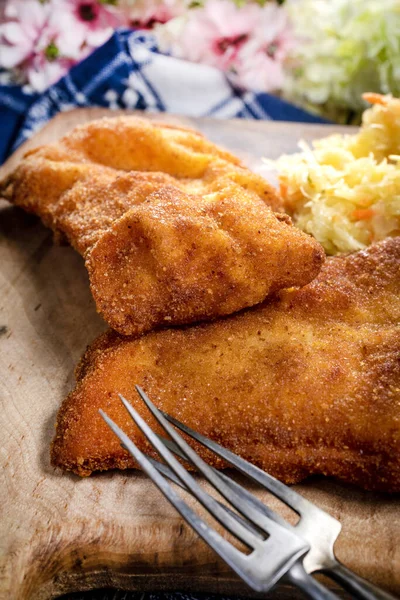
307	383
173	229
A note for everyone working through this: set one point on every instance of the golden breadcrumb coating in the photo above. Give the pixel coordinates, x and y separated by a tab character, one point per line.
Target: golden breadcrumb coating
173	229
308	382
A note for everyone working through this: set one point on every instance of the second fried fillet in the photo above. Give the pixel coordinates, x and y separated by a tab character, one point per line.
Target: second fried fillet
173	229
306	383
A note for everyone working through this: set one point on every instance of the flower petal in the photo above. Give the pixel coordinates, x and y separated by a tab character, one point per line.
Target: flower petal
99	37
11	56
13	33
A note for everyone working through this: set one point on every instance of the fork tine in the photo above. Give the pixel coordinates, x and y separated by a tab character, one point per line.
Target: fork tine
270	560
249	497
285	493
314	525
164	469
231	555
237	529
239	489
248	510
167	472
173	447
298	575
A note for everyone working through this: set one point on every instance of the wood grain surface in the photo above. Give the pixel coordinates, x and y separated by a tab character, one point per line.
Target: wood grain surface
60	533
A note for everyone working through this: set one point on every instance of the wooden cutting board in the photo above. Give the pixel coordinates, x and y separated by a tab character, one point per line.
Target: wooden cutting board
60	533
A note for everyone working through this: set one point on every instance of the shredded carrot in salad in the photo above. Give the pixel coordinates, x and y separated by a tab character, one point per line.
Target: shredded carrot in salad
345	189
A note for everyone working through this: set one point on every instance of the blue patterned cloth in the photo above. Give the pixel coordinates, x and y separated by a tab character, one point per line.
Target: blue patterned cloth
129	71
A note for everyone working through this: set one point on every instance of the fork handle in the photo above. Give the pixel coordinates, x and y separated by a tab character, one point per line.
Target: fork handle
356	585
307	584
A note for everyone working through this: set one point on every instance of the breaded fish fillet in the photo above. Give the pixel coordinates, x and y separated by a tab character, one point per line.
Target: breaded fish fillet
308	382
172	228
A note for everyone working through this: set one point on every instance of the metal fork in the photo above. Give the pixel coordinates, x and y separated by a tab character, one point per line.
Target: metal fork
278	549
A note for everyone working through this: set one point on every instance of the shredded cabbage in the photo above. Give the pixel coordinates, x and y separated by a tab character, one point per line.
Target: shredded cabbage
345	189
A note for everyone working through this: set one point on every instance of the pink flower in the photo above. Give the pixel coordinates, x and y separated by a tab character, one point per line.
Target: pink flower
42	40
214	34
261	60
147	13
19	37
30	43
260	73
89	22
250	43
41	72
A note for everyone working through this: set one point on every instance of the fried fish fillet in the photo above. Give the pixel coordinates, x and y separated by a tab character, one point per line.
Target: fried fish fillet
307	383
172	228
